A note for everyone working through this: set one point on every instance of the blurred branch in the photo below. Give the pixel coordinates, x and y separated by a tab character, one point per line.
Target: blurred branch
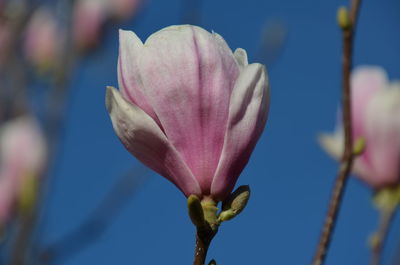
53	126
380	236
98	222
348	155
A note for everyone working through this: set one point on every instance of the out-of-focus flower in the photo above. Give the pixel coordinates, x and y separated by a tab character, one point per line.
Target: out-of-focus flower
88	19
42	42
123	9
376	118
23	154
189	108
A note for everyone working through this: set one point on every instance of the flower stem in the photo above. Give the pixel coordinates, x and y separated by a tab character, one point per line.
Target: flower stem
203	240
380	236
348	155
206	232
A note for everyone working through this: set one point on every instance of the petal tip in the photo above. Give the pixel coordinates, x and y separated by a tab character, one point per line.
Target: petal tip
331	143
110	97
241	57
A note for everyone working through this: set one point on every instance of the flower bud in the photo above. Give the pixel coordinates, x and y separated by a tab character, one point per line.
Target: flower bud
42	40
23	154
375	118
188	107
195	210
123	9
235	203
88	19
343	18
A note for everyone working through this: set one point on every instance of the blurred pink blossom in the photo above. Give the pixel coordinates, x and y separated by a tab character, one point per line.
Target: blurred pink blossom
88	19
23	154
376	118
123	9
188	107
42	42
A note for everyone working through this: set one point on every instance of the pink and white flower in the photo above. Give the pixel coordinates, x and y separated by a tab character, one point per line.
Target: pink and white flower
23	154
376	118
88	19
42	42
188	107
123	9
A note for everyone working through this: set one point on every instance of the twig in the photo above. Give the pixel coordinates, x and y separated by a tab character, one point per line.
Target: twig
348	156
203	240
381	235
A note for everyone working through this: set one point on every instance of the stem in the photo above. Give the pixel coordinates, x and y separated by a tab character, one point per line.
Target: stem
203	240
348	156
206	232
381	235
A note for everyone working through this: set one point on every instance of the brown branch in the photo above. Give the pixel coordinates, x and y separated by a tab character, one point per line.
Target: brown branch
381	235
203	240
348	156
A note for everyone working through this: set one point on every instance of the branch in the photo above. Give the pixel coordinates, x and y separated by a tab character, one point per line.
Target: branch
348	155
203	240
378	240
97	223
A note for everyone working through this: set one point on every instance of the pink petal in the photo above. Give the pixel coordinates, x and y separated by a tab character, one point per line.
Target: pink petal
383	137
129	78
88	19
23	148
144	139
248	113
365	82
123	9
189	74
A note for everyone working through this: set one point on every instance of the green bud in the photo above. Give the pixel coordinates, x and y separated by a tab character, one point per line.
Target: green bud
387	199
343	18
195	210
210	212
359	146
374	240
235	203
226	215
28	195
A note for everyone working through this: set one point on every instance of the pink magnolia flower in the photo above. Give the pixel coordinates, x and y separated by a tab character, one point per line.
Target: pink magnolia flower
88	19
376	118
42	42
188	107
23	154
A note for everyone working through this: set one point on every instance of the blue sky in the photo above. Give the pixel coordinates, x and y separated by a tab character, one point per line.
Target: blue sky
290	176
